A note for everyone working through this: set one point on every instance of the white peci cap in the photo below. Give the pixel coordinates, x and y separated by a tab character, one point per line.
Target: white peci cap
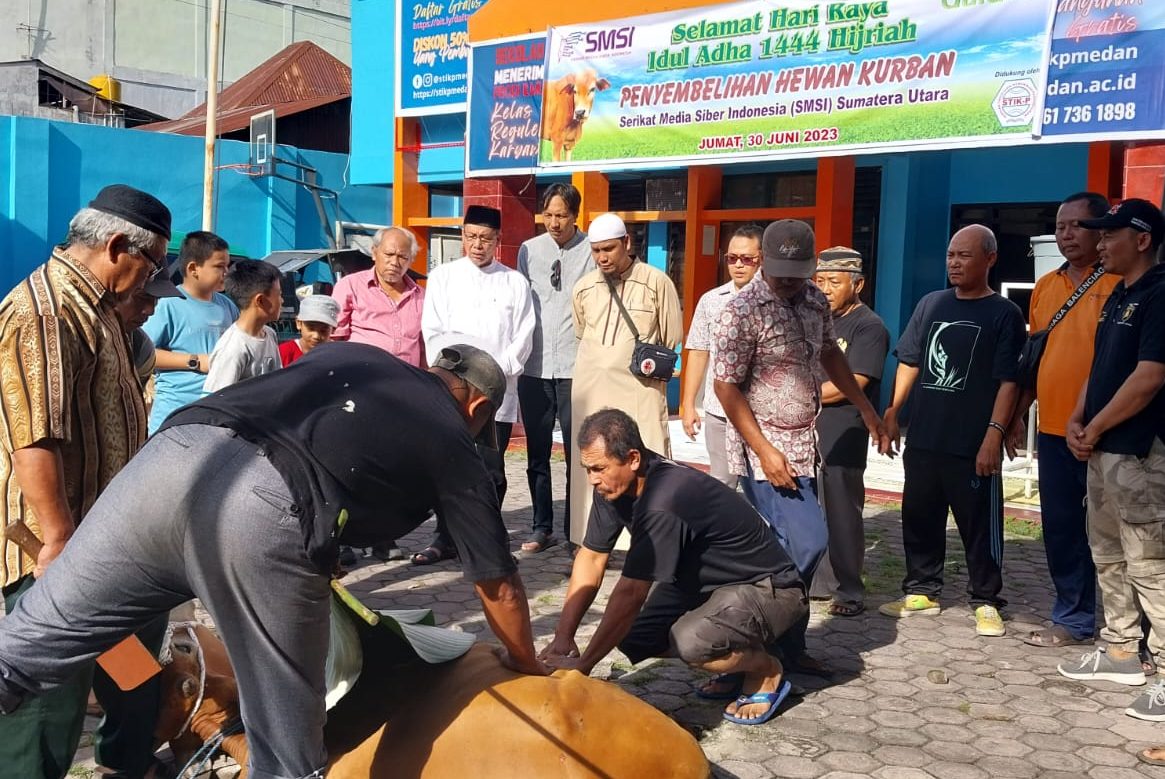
606	227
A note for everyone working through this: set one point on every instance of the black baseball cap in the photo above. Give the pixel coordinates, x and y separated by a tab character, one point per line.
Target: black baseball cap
1141	215
478	368
788	249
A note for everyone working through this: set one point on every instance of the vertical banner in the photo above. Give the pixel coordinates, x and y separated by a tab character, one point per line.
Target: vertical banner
795	78
432	52
505	106
1106	73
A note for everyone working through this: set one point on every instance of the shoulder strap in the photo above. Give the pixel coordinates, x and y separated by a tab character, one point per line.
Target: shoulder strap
1079	293
622	309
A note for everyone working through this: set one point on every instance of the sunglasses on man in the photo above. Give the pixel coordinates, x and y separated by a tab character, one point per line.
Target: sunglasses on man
742	259
556	275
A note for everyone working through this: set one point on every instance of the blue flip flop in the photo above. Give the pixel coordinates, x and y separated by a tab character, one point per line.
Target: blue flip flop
773	699
734	680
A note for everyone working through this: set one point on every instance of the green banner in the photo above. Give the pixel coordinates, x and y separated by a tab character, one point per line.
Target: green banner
792	79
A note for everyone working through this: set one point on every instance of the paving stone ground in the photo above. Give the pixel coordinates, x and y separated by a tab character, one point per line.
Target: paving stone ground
1002	711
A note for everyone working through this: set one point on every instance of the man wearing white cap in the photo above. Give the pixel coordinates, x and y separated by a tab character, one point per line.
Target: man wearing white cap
602	374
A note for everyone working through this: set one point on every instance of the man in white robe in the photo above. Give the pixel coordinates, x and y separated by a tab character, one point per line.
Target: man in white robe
479	301
602	372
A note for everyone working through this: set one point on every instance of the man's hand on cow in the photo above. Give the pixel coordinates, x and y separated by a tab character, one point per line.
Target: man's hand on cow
559	647
564	663
533	667
777	469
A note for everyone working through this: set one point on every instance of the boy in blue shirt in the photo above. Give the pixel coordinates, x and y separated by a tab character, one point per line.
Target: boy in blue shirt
185	329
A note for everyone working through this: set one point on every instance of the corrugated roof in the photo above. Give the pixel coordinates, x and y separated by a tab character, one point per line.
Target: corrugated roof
236	118
300	77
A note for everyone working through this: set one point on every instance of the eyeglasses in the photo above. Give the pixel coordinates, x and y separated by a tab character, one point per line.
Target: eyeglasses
556	275
157	264
482	239
742	259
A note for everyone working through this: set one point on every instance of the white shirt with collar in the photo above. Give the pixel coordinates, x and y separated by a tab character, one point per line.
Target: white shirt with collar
490	308
701	335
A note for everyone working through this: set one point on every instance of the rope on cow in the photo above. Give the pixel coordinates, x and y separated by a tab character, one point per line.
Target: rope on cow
201	760
167	657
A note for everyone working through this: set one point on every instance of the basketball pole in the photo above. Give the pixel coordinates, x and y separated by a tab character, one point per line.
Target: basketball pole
211	109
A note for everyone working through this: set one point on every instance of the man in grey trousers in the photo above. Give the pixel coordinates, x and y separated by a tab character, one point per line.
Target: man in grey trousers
236	501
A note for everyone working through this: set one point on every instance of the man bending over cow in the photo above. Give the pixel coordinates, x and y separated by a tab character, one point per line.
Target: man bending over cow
725	587
238	501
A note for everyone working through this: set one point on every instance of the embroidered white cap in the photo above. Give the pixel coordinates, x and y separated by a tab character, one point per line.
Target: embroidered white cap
606	227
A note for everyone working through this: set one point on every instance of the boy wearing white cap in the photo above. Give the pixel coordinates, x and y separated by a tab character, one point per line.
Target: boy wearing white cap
317	319
602	376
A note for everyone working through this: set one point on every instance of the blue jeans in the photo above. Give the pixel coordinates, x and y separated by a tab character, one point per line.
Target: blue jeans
795	517
1063	486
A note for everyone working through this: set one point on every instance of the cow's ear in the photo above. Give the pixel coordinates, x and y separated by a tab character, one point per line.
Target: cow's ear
602	84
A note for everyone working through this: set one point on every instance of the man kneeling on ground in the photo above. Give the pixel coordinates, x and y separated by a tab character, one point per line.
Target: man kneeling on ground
725	587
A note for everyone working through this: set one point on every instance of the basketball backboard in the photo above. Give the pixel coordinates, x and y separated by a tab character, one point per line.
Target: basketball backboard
262	159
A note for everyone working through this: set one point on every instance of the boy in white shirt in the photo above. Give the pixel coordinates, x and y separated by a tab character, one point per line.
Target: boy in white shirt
248	348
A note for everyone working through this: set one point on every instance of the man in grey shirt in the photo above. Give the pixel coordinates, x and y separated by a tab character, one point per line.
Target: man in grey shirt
552	262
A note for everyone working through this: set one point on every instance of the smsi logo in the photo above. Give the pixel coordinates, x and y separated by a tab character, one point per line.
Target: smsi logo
593	42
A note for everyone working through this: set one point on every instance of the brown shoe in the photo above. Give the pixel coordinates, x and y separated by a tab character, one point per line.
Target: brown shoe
1055	636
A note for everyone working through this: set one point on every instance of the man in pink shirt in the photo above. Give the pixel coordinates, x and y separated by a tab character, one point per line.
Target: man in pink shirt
382	306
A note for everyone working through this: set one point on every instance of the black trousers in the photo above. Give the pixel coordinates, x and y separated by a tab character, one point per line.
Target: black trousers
936	483
543	401
495	463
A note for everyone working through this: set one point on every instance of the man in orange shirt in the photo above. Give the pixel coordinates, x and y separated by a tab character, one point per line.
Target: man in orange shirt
1063	371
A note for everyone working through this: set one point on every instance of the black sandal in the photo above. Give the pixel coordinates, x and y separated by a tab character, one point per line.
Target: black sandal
433	554
539	542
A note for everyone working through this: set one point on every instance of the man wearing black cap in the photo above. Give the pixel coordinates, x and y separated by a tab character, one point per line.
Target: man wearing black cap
1118	427
239	501
73	415
772	337
478	300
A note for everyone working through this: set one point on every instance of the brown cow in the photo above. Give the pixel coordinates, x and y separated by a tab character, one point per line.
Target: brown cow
566	105
406	719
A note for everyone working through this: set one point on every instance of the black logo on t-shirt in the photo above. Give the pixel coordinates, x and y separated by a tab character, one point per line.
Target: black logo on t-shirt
949	350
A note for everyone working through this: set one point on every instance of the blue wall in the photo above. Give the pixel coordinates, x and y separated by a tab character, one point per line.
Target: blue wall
373	90
48	170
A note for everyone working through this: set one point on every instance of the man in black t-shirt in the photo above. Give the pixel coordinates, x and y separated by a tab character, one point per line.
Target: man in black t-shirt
842	436
1118	427
239	500
724	586
961	347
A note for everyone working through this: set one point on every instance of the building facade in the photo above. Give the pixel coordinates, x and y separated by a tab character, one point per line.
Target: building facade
156	50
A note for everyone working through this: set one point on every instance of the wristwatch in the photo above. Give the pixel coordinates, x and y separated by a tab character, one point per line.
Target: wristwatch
193	363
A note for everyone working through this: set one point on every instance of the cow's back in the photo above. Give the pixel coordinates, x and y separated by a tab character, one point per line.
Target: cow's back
474	717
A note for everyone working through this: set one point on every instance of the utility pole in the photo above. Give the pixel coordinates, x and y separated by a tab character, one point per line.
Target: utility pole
212	61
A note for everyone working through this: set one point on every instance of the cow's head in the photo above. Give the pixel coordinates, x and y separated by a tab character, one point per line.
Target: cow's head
582	86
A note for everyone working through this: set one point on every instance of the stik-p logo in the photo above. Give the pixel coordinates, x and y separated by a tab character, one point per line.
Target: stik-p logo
1015	103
